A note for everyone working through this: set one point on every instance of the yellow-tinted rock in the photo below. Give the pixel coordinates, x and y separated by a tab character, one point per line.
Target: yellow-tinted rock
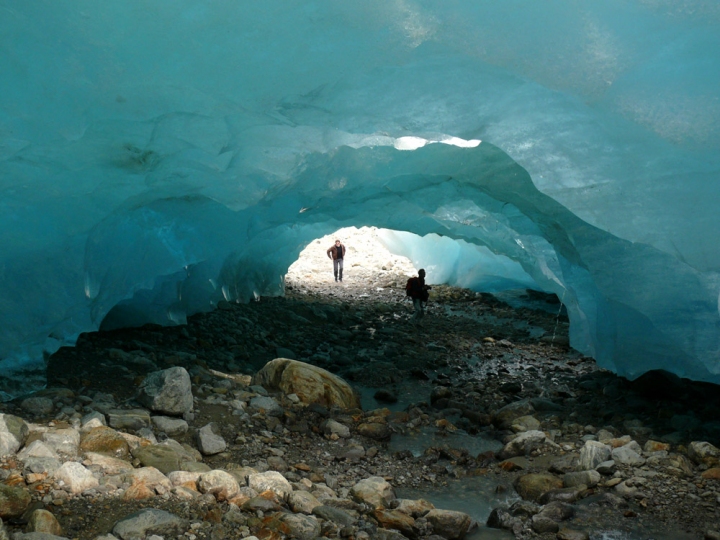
42	521
138	492
105	440
712	474
310	383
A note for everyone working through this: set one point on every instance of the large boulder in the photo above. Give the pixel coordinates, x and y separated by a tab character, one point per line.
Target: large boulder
310	383
168	391
13	433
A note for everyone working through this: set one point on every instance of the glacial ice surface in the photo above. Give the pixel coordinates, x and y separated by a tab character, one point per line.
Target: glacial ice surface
158	157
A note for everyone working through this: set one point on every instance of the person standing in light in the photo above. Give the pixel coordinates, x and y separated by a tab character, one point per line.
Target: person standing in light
337	254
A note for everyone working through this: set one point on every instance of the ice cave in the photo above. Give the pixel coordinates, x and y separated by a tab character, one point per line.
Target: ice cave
157	157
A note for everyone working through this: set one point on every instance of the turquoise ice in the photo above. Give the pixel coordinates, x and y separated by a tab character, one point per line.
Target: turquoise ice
157	156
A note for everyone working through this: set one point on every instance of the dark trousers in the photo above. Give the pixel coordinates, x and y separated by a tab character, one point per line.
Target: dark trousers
338	268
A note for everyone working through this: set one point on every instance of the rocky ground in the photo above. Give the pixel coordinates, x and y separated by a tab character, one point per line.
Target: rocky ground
189	427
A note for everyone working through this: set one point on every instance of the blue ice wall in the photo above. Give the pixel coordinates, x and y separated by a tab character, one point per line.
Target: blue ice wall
156	157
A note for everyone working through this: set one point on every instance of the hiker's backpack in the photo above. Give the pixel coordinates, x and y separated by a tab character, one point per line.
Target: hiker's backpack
410	286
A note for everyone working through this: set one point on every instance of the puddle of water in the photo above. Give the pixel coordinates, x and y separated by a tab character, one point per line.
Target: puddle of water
476	496
427	437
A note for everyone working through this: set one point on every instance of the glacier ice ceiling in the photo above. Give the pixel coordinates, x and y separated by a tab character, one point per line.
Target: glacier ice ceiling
156	157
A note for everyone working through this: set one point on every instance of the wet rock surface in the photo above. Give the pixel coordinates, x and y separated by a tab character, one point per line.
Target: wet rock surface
233	456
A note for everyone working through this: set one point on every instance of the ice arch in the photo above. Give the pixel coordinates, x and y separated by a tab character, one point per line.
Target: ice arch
164	156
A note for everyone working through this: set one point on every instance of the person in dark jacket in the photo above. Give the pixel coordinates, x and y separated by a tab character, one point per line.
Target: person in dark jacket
419	294
337	254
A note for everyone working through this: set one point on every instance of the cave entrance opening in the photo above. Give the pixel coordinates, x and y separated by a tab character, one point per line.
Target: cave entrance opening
368	264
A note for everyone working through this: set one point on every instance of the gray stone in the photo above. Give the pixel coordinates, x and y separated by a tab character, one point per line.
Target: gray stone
209	443
168	391
449	523
92	420
13	434
36	449
331	426
625	455
500	518
39	406
170	426
543	524
592	455
163	458
504	417
266	404
336	515
302	502
606	467
557	511
301	526
587	478
41	465
132	419
149	521
525	423
526	443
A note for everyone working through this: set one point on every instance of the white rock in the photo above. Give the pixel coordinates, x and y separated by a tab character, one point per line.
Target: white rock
625	455
219	483
592	455
37	449
149	476
64	441
272	480
180	478
75	477
13	434
92	420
